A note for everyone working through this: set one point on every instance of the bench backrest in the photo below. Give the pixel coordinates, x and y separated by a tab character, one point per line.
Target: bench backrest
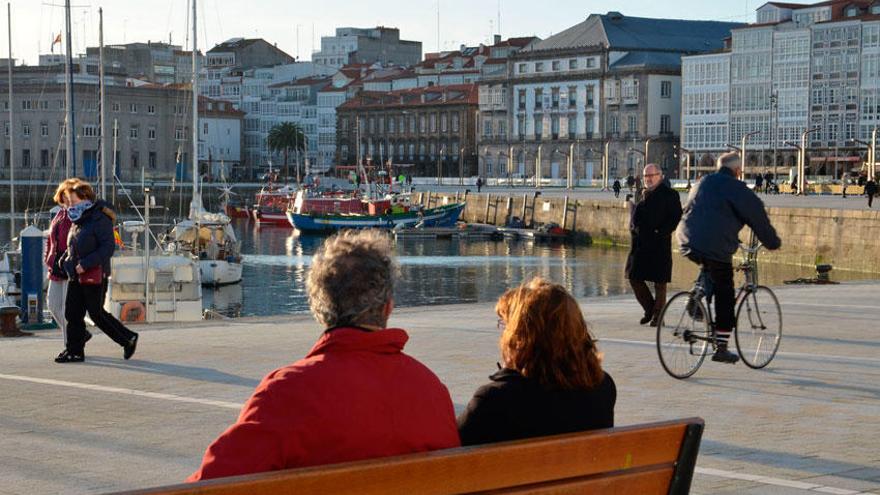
657	458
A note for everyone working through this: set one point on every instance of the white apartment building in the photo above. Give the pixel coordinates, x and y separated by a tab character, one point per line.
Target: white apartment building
799	68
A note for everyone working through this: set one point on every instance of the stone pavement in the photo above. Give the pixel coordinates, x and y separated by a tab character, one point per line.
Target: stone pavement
807	424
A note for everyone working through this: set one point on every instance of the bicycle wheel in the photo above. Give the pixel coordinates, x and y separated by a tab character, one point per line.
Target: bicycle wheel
758	327
683	335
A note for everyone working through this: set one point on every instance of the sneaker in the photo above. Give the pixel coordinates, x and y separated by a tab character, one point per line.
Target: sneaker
722	355
128	349
67	357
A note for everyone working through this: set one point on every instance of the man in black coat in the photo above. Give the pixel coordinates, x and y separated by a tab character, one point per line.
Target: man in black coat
653	220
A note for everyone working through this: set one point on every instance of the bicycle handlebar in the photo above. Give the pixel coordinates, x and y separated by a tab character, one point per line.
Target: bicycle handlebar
751	250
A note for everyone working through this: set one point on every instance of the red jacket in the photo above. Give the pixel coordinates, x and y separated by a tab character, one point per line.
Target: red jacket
57	243
356	395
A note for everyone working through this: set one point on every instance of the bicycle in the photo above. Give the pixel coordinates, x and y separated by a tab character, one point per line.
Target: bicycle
686	327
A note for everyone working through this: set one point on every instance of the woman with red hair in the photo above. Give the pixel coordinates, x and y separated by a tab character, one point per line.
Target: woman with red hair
551	381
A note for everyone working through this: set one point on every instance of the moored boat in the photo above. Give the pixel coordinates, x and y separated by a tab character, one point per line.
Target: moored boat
441	216
271	205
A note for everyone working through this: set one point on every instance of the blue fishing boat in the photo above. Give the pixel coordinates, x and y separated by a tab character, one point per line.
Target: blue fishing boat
441	216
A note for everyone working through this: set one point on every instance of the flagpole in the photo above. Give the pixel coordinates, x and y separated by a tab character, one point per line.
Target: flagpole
71	122
11	133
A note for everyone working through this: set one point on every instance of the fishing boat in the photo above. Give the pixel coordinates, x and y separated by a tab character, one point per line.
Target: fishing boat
236	211
379	215
270	208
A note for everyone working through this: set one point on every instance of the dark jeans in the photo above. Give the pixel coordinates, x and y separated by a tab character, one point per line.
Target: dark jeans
652	304
719	286
870	201
90	298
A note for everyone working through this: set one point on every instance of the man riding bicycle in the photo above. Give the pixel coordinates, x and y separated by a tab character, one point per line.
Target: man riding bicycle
716	210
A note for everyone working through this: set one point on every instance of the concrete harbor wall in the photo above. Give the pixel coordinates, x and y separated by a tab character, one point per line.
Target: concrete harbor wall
846	239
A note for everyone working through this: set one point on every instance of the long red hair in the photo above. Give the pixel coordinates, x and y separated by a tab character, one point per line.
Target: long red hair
546	338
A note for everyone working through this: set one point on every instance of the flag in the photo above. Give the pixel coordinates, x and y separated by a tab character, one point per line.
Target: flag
57	40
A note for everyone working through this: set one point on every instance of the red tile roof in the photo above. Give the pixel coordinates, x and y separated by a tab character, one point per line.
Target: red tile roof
457	94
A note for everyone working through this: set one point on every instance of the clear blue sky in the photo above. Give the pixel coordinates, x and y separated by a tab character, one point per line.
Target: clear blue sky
461	21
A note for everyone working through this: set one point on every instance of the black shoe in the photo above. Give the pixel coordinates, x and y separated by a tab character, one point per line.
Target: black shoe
128	349
88	337
645	319
67	357
722	355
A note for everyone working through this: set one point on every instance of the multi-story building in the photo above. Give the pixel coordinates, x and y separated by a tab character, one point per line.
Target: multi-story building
426	131
800	67
156	62
148	127
220	139
611	80
367	46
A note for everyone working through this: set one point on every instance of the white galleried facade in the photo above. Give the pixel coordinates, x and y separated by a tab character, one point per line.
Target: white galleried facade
801	67
610	79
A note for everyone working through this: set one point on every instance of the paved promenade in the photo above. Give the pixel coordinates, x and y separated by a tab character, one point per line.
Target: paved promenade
807	424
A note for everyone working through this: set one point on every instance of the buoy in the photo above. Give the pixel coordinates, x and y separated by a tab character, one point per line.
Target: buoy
133	311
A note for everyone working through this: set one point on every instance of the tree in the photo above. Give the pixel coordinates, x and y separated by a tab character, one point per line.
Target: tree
284	137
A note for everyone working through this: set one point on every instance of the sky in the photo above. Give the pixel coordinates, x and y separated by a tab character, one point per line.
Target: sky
36	22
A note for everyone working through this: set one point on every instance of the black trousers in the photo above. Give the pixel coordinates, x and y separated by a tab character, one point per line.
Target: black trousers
90	298
652	304
720	288
870	201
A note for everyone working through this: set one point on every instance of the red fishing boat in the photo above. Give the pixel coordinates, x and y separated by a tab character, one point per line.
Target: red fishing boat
271	205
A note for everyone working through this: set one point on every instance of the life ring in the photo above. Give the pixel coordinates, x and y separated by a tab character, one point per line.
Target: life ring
133	311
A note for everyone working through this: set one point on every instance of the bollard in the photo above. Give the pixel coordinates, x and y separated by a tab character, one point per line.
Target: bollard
32	276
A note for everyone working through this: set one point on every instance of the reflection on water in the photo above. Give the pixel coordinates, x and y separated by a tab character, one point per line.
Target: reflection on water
449	271
443	271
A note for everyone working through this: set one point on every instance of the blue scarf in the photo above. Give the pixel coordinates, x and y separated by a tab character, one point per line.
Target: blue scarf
75	212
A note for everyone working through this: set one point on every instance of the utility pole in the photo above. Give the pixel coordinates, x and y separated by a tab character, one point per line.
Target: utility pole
103	103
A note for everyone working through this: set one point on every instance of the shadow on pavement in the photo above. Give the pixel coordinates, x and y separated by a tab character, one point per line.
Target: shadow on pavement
175	370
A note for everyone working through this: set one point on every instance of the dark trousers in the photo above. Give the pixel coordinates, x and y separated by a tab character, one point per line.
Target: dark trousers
651	303
870	201
719	287
90	298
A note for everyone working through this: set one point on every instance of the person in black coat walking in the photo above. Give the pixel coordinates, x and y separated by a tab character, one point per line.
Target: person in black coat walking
552	381
616	188
870	191
652	222
90	245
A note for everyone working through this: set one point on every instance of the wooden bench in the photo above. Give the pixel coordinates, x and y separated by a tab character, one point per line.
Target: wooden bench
657	458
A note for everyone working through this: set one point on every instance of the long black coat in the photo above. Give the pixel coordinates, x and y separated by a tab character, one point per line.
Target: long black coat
90	241
652	223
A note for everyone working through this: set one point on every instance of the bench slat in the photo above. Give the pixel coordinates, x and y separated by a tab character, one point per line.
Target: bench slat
648	481
500	467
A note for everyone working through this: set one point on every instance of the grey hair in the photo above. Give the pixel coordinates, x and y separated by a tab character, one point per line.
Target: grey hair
352	278
730	160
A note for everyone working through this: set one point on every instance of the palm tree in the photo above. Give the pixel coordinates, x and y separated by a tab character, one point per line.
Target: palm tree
284	137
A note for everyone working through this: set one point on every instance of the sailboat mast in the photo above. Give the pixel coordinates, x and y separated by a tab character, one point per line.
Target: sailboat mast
196	202
71	123
103	104
11	132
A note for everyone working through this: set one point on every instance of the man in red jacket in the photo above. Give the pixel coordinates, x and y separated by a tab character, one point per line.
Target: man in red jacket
356	395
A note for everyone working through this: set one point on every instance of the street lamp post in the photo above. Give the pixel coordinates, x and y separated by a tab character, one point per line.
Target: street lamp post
538	167
568	158
461	166
872	163
802	165
687	162
570	176
774	102
605	166
510	166
439	170
647	142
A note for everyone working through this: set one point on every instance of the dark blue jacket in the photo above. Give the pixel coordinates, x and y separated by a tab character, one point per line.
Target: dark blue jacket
716	210
90	242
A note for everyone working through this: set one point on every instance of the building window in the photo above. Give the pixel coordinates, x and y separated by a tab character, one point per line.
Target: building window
539	66
152	160
572	97
26	104
133	132
539	127
89	131
591	62
115	106
523	68
572	126
423	124
44	158
572	64
151	133
555	65
554	127
179	134
133	107
665	124
521	99
44	129
665	89
433	120
151	109
487	127
539	99
632	125
456	123
444	122
554	97
589	96
26	129
134	159
25	158
613	125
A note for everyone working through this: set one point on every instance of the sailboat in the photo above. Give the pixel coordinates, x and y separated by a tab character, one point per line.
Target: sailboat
207	235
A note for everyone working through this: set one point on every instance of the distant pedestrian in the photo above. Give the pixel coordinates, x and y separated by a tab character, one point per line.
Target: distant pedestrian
630	182
653	219
479	183
616	188
844	183
870	191
759	183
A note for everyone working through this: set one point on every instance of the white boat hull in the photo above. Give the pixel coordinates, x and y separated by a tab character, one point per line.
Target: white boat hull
173	291
219	272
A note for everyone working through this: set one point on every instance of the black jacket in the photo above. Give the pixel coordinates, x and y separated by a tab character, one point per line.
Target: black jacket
716	211
652	222
513	407
90	242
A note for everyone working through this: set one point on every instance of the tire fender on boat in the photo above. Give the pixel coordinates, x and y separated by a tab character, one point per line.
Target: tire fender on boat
132	311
